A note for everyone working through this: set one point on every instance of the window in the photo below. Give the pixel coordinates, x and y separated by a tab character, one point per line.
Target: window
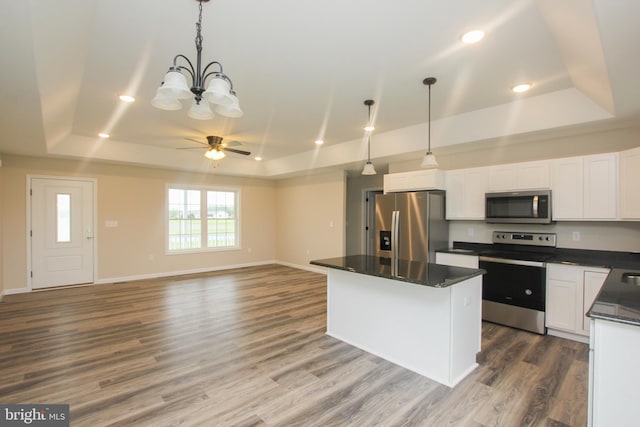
202	219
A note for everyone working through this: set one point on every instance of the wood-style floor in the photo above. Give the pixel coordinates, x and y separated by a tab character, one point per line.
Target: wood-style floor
247	347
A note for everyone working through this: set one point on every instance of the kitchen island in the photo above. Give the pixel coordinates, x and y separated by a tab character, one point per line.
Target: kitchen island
422	316
614	351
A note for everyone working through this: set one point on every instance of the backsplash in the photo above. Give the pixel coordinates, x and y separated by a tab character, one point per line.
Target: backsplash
606	236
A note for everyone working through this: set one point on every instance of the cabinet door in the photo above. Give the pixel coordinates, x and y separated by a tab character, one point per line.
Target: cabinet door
561	304
600	186
629	188
593	281
502	178
455	194
532	175
564	287
475	187
567	184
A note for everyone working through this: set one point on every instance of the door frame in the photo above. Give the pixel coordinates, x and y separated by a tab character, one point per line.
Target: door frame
29	263
369	219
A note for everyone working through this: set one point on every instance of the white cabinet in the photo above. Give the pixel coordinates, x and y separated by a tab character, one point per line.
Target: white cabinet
585	187
457	260
613	379
465	193
428	179
629	184
601	186
571	291
519	176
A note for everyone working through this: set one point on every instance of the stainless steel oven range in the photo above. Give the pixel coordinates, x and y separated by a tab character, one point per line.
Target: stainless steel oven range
514	288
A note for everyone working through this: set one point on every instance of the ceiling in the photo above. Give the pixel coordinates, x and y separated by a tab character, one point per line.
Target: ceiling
302	71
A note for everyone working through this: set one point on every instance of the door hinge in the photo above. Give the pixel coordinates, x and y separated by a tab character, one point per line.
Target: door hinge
31	192
30	233
31	274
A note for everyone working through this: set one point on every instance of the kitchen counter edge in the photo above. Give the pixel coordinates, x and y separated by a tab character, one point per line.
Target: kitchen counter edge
415	272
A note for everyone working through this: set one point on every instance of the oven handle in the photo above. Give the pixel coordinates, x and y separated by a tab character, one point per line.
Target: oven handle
513	261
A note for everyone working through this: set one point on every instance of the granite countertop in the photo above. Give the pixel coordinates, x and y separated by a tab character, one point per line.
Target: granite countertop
619	299
416	272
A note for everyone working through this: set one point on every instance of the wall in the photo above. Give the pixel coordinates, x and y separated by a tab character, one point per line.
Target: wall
607	236
523	149
135	197
311	218
355	226
1	239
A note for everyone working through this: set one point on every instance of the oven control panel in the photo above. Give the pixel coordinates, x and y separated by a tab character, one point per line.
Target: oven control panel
531	239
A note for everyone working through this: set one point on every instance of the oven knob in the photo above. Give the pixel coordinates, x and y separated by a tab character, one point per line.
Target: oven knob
540	238
528	292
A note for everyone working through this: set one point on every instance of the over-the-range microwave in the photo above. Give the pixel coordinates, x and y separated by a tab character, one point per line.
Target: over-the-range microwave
518	207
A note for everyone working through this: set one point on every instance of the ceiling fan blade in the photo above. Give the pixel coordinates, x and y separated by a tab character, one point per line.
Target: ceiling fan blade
191	148
199	142
232	144
233	150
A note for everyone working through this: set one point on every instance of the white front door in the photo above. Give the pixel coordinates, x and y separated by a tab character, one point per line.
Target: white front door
62	232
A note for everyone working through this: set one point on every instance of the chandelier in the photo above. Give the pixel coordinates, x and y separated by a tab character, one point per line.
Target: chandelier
219	92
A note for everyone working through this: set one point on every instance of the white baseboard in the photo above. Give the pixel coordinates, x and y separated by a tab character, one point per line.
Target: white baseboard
568	335
180	273
107	280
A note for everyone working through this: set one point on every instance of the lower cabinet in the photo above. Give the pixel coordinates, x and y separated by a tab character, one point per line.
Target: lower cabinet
614	351
571	291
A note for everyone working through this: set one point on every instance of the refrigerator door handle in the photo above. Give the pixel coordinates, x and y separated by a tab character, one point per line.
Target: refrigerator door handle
395	227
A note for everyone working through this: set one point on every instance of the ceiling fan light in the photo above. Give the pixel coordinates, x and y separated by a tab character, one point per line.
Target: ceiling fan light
233	110
429	161
214	154
200	111
175	85
368	169
164	102
219	92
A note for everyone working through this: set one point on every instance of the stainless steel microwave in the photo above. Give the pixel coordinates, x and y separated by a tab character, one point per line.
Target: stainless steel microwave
518	207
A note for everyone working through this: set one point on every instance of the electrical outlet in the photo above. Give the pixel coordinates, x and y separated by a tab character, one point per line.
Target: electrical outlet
576	236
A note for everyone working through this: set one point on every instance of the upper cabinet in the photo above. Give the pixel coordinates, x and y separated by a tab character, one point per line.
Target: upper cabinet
519	176
585	187
428	179
465	193
629	188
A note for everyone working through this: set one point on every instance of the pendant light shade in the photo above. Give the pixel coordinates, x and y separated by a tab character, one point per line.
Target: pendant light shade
368	167
200	110
429	160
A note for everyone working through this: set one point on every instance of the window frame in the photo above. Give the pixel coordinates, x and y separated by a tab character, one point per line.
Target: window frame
203	218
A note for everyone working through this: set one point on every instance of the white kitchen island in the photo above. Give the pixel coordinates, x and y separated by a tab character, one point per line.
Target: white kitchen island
424	317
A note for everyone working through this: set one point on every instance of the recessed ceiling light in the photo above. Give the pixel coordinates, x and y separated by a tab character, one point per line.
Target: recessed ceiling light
521	87
319	142
258	158
104	135
127	98
472	36
369	128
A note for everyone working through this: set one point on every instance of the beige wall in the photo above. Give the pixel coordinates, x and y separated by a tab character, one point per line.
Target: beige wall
310	218
1	240
134	197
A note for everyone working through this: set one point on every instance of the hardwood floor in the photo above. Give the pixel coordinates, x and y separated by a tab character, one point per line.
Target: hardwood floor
247	347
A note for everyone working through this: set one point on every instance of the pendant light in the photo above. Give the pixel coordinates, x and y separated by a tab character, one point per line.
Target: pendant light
368	167
429	160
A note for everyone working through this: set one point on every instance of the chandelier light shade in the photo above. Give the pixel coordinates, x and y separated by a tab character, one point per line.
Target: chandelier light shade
429	160
368	167
219	93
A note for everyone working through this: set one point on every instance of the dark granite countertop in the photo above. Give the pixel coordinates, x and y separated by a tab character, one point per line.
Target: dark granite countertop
619	298
416	272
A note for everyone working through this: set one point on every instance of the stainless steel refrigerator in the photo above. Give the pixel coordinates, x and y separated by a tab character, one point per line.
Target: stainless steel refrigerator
411	225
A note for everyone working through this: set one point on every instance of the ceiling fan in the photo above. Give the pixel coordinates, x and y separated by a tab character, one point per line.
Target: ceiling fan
215	147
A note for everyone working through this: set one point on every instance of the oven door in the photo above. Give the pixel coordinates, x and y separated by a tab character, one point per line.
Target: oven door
514	282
